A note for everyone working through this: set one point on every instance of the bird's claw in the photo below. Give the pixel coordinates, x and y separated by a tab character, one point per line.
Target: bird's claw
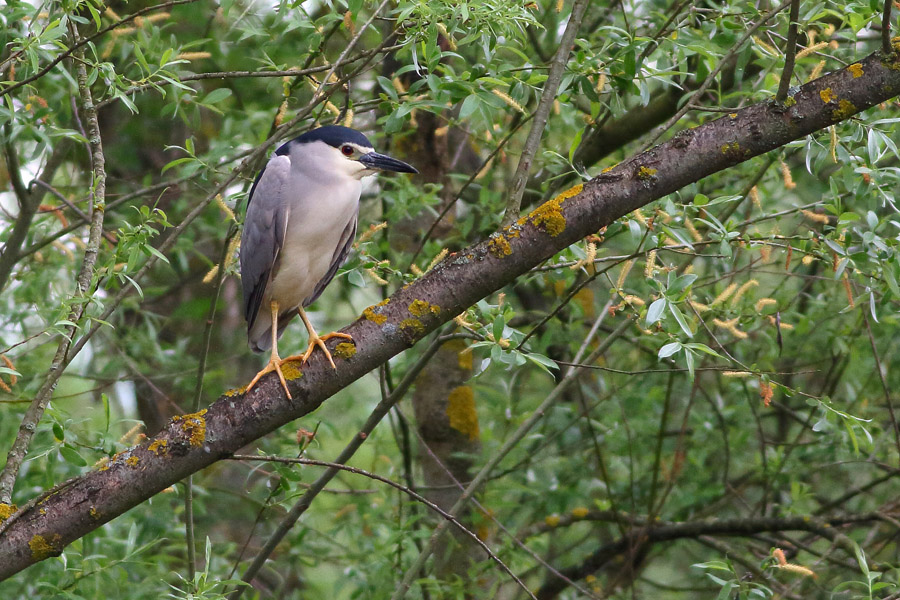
274	364
320	342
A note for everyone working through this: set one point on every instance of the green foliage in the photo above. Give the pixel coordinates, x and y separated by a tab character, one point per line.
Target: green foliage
753	376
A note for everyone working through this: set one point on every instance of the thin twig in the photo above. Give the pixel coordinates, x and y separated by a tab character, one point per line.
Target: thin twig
398	486
884	384
305	501
10	254
78	45
198	392
886	46
512	442
243	74
110	206
79	304
790	53
710	79
548	95
465	186
80	213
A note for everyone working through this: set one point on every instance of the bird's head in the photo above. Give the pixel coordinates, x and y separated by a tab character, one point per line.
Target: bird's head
344	151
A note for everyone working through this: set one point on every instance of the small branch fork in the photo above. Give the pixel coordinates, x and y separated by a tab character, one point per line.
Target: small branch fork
790	53
551	86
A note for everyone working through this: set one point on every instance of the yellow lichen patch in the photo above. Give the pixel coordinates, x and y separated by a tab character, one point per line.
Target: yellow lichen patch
42	548
421	308
158	447
856	70
345	350
499	246
645	173
376	317
464	359
291	369
790	101
132	461
461	411
236	391
7	510
579	512
548	216
413	325
585	298
194	425
732	149
845	109
552	520
103	464
95	514
827	95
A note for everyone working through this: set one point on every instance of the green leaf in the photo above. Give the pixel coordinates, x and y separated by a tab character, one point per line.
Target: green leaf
71	456
216	96
679	318
669	349
654	313
542	361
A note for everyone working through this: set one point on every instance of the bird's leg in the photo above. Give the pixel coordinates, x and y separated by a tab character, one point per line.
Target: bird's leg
316	340
275	361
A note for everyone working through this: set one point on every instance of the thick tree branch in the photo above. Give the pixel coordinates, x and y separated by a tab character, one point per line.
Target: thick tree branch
192	442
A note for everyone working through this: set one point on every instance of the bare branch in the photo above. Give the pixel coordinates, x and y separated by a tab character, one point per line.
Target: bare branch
790	53
655	532
548	95
79	299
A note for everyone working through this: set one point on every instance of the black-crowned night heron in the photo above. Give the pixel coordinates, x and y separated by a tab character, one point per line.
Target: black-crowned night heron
300	225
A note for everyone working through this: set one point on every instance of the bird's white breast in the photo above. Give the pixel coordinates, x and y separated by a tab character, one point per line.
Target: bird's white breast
319	211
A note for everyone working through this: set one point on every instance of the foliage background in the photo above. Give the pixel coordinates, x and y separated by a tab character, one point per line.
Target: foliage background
748	321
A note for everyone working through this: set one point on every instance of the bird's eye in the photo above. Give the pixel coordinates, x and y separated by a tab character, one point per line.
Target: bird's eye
347	150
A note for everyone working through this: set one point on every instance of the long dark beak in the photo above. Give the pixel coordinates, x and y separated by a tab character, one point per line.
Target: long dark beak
382	162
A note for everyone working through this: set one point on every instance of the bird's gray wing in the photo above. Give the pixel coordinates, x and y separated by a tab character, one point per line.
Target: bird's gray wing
340	257
263	235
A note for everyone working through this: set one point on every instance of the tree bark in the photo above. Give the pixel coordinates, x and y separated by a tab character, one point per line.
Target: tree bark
192	442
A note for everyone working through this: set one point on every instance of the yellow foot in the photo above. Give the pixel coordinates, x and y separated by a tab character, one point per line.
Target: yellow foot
274	365
315	340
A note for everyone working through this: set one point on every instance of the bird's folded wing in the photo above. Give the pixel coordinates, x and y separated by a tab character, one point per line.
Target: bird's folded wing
263	235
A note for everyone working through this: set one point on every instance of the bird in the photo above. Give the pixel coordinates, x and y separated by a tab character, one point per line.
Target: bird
298	230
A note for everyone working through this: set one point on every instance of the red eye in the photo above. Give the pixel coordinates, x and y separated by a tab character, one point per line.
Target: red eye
347	150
